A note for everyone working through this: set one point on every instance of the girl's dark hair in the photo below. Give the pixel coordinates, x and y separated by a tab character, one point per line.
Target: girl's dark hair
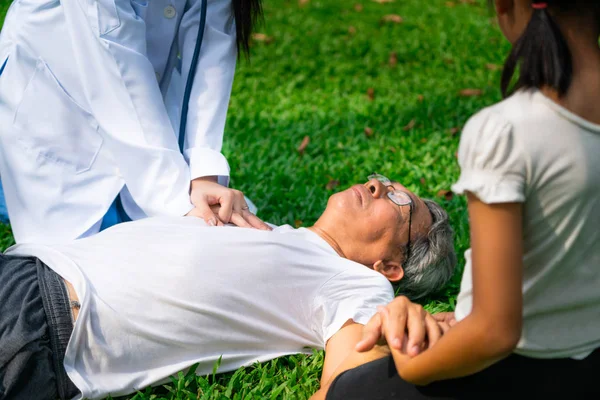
247	14
542	54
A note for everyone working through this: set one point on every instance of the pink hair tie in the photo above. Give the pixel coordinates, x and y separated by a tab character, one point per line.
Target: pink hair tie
539	6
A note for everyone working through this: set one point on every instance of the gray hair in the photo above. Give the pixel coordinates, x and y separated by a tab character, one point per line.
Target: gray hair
432	257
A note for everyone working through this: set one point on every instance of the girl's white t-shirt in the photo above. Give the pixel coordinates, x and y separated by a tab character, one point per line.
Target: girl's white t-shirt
161	294
530	150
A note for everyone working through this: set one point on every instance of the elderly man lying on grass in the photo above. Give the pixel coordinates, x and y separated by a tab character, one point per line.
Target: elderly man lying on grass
153	297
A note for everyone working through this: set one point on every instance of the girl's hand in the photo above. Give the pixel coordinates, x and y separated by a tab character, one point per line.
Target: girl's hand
404	325
232	207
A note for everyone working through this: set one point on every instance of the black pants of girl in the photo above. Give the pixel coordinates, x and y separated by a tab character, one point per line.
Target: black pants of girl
513	378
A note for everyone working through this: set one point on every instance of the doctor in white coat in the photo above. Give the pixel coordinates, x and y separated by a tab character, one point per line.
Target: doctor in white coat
91	96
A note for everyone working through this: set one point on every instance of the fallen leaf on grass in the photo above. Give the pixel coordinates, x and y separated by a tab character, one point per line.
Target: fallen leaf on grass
424	140
493	67
371	93
420	98
332	184
410	125
471	92
352	30
393	59
262	37
392	18
298	223
454	131
303	2
447	194
450	4
383	1
423	182
358	7
303	145
368	132
392	149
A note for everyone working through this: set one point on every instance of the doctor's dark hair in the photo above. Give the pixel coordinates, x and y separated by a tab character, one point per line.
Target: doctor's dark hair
432	257
541	55
247	14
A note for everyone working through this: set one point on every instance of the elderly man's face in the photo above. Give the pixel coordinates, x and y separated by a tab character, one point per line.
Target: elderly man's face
375	223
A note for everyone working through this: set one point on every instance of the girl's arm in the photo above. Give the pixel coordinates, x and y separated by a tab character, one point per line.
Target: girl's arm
493	328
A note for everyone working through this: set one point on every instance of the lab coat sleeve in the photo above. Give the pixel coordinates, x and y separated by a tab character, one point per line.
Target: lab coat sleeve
211	91
120	86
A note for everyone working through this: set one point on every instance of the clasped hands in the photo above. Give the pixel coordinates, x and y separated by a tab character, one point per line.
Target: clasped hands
406	327
218	205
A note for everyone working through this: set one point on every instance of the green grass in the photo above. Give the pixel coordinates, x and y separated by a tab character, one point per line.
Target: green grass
312	80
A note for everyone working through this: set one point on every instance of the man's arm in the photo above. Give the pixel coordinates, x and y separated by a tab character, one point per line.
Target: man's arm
355	344
352	360
339	347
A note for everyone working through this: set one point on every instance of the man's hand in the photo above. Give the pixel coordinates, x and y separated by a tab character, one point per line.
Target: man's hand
218	205
404	325
445	320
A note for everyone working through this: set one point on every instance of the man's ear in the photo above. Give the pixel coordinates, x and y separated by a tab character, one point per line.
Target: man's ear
391	270
504	6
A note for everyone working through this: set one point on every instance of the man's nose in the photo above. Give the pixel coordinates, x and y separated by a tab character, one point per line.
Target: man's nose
376	188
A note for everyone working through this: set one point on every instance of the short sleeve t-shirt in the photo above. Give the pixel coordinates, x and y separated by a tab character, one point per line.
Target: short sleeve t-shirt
161	294
528	149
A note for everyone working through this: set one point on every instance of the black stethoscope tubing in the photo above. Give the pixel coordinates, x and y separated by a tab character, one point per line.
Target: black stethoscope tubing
190	78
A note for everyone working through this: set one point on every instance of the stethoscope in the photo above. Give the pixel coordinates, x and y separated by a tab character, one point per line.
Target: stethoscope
190	78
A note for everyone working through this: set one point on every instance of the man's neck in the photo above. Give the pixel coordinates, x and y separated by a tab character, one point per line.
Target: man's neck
329	239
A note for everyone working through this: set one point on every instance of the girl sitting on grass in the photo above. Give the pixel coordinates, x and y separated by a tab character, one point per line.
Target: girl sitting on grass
527	318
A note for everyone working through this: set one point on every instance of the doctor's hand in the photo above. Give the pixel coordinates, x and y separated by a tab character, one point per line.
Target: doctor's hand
218	205
404	325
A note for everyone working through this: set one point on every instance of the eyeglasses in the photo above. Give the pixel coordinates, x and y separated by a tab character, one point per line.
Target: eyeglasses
399	198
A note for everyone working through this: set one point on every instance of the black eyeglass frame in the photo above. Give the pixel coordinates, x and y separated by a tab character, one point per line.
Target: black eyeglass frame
391	195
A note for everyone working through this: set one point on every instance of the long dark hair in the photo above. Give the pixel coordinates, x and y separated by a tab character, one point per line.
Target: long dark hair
542	54
247	14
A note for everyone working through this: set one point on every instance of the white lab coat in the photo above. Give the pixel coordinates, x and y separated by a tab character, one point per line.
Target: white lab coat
90	101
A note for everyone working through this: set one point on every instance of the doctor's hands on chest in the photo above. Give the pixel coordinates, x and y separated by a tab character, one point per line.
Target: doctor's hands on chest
219	205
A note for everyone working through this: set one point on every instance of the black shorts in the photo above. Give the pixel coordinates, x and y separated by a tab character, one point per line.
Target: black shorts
515	377
35	327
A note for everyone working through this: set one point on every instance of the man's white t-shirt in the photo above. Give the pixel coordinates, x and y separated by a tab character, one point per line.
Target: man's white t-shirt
161	294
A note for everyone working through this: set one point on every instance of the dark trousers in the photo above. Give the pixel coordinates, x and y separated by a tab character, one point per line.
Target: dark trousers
35	327
513	378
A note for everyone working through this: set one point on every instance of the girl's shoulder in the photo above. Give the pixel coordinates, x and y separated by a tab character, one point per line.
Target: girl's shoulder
522	108
492	158
530	118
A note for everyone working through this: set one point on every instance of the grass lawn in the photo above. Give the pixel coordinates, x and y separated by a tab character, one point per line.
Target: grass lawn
376	85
